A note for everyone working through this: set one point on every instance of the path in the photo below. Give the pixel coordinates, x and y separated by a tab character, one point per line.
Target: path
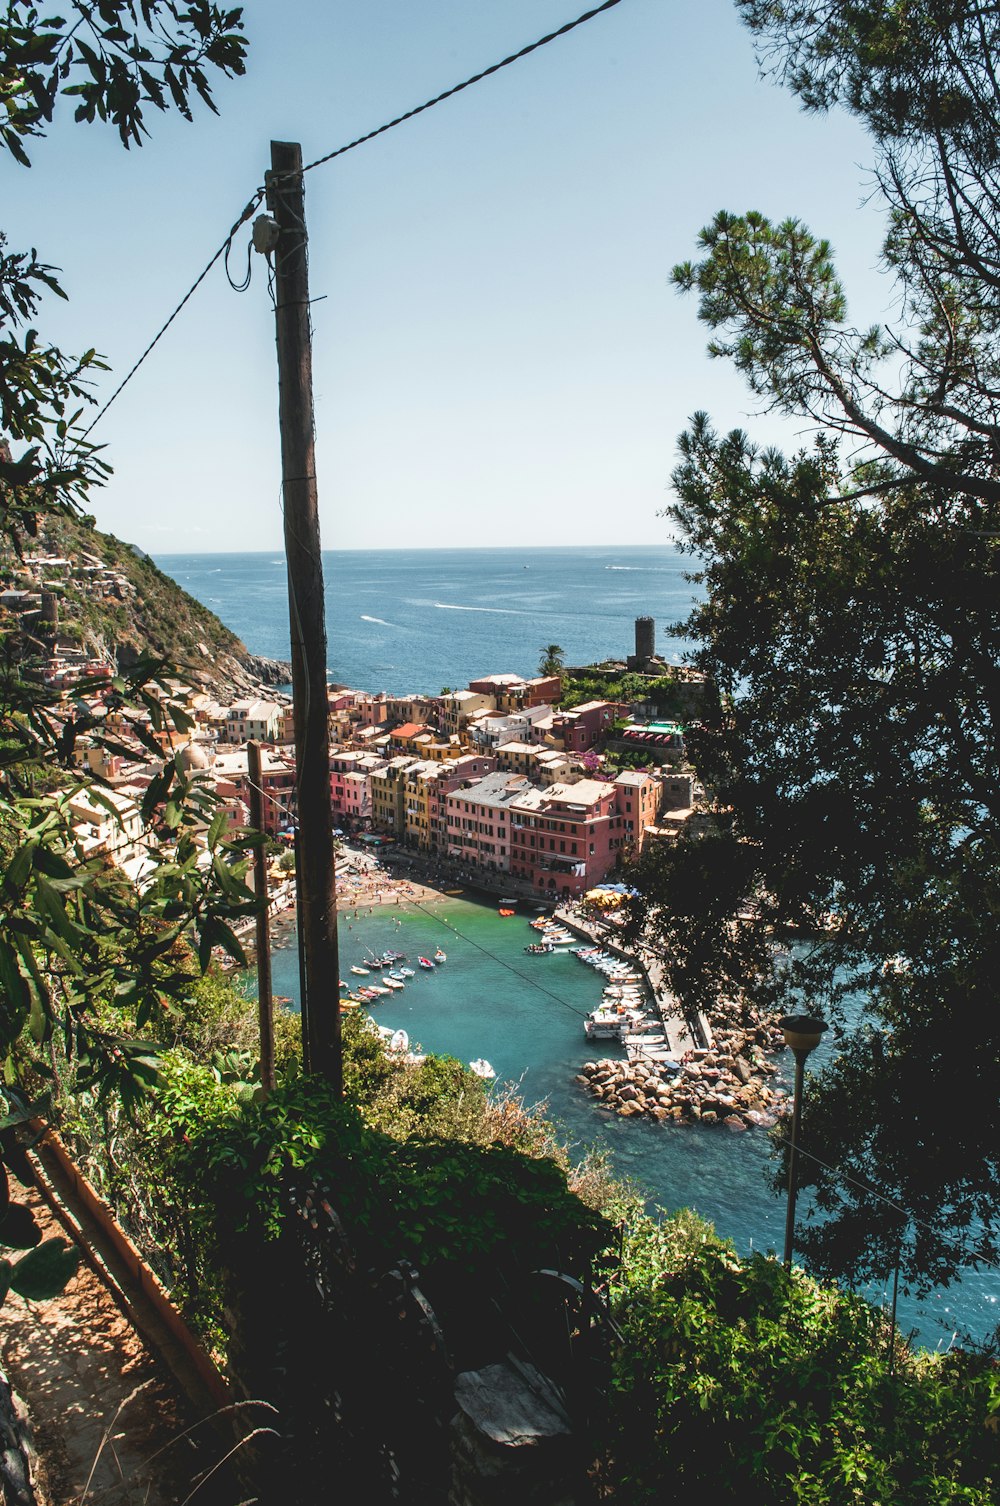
107	1415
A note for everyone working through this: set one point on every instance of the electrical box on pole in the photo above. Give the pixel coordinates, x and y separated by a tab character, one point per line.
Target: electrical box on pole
315	876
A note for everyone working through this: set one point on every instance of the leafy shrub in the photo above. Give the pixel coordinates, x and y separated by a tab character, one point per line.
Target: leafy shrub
735	1377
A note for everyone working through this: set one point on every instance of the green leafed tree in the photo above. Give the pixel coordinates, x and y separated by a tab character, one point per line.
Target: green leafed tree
553	660
89	955
851	625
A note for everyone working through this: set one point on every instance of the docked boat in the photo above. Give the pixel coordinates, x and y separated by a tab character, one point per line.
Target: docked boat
379	988
440	956
540	948
425	962
362	972
393	983
602	1025
406	972
606	1024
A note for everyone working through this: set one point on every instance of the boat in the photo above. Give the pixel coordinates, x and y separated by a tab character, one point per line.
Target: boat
361	971
600	1025
406	972
378	988
393	983
425	962
604	1024
440	956
505	913
399	1041
540	948
482	1069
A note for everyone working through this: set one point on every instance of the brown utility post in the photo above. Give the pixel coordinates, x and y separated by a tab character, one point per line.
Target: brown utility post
265	1000
314	872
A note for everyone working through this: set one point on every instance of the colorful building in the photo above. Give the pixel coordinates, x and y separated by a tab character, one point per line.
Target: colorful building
566	838
584	727
479	819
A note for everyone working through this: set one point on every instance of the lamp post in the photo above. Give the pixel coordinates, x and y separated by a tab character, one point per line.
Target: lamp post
803	1034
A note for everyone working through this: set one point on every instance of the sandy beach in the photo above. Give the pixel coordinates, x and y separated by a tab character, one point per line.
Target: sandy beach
364	885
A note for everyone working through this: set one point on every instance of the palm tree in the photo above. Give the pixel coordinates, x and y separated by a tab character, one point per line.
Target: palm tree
553	658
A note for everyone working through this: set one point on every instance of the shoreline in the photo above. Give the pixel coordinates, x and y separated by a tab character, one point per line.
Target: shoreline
725	1080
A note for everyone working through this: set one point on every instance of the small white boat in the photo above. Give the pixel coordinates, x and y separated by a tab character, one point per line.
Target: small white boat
406	972
393	983
440	956
399	1041
378	988
482	1069
362	972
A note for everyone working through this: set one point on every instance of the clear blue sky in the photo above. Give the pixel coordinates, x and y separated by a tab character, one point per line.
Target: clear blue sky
499	357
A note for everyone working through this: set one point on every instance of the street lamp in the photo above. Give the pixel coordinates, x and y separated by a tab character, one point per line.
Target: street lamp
803	1033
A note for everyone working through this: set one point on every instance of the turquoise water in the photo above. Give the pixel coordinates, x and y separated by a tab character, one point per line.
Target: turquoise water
525	1016
414	620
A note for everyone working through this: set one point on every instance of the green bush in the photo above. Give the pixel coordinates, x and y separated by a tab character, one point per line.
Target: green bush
735	1379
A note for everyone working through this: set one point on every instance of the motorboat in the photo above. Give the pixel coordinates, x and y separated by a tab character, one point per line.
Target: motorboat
362	972
406	972
425	962
394	983
440	956
600	1025
540	948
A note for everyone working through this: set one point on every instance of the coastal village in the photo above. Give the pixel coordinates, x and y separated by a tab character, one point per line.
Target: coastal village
498	787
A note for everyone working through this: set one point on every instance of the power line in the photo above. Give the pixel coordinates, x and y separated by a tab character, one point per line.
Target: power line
224	248
339	151
466	84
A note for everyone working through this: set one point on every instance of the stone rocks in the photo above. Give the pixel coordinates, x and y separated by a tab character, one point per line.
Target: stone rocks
722	1084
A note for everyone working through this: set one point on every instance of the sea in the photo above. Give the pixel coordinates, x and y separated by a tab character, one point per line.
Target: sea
414	621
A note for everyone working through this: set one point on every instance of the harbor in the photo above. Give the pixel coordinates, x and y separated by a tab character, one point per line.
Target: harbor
524	1015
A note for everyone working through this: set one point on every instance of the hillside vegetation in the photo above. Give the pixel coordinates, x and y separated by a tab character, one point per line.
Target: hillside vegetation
152	615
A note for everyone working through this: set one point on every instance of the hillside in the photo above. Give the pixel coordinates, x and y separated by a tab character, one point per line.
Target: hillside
134	610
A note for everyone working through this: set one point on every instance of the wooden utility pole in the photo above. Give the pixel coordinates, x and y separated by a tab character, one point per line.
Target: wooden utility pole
314	873
265	1001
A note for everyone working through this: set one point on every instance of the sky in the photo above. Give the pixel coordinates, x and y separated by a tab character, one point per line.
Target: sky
499	357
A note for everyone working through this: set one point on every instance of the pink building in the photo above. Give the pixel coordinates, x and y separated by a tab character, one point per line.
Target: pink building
566	838
512	694
479	819
582	728
638	798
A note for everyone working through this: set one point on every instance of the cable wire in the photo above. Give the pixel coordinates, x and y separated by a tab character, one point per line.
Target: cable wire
339	151
223	249
457	88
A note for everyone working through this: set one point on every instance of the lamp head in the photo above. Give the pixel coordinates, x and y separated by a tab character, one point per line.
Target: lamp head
802	1032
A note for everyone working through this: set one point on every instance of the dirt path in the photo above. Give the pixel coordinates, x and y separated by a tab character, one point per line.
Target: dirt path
106	1414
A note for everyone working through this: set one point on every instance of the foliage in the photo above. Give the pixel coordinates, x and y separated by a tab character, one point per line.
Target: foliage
625	686
77	936
851	625
77	933
737	1380
116	59
552	660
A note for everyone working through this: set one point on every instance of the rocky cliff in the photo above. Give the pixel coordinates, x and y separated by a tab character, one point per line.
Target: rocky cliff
112	600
